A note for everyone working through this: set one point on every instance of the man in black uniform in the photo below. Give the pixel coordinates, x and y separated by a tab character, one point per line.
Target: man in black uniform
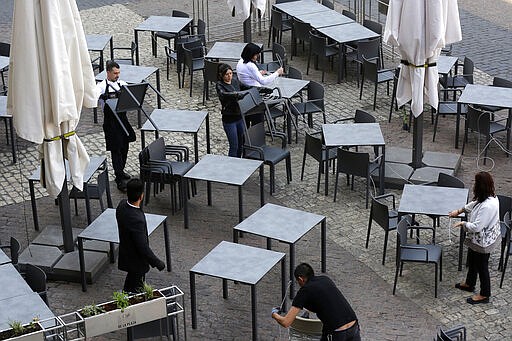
135	255
115	137
320	295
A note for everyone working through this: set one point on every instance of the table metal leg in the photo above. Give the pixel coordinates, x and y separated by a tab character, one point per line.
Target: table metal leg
111	48
142	139
33	203
136	34
167	247
158	98
207	133
323	236
196	148
253	312
112	257
283	282
382	172
82	263
240	205
292	268
109	195
184	198
102	61
262	194
87	203
457	125
13	139
269	244
193	310
462	236
326	173
225	288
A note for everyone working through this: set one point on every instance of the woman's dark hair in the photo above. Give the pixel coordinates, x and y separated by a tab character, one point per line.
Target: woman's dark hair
221	71
249	51
483	187
305	270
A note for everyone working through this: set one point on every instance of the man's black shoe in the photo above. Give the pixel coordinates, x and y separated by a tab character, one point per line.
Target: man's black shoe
126	176
121	185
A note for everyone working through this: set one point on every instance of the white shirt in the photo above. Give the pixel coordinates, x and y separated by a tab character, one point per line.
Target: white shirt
112	86
249	75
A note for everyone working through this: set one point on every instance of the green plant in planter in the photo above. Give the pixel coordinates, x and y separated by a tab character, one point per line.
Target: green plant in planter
91	310
121	299
147	289
17	327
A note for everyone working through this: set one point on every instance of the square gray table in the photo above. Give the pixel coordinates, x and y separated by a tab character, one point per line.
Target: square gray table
133	74
352	135
241	263
4	259
157	23
346	33
97	43
96	163
227	170
104	228
286	225
224	50
23	308
10	132
324	19
483	95
184	121
433	200
295	8
12	283
445	64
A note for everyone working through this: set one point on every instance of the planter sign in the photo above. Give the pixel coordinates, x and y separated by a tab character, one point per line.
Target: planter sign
134	314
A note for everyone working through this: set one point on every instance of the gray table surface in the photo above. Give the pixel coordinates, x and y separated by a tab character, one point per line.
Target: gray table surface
12	283
289	87
324	19
104	228
4	259
224	169
348	32
4	62
95	163
24	309
186	121
432	200
3	106
163	24
280	223
242	263
354	134
225	50
487	95
97	42
445	64
131	74
295	8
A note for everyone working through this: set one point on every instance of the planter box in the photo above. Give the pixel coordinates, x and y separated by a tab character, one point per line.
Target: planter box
131	316
33	336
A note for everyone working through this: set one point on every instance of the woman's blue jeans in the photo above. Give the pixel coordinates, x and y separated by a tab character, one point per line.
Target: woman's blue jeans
235	133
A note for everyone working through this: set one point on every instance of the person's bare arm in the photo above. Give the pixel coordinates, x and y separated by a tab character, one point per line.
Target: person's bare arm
286	320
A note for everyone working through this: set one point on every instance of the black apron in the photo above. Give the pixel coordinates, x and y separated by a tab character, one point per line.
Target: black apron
115	137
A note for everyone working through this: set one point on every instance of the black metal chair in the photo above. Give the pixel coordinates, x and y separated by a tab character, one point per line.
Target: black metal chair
356	164
417	253
36	279
349	14
300	33
314	147
279	58
505	208
171	36
367	48
459	81
322	51
457	333
377	28
508	241
314	103
126	59
372	73
14	249
328	3
278	25
193	60
294	73
499	82
446	108
210	74
480	122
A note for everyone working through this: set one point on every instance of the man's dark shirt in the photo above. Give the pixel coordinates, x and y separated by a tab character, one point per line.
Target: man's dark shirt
321	296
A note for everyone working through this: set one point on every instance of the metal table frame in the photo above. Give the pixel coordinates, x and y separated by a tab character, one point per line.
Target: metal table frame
105	39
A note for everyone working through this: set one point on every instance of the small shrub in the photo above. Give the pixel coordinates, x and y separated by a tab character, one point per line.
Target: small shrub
91	310
147	289
17	327
121	300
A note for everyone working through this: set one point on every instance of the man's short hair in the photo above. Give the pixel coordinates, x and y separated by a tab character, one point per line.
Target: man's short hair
134	189
303	270
111	64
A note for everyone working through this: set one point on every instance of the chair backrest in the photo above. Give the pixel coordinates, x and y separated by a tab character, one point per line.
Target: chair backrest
180	14
276	19
501	82
301	29
36	279
192	50
102	182
294	73
180	53
362	116
251	102
201	30
313	146
306	326
401	236
318	44
368	48
349	14
131	97
131	58
5	49
210	70
370	69
156	149
316	93
373	25
14	247
446	180
478	120
328	3
279	54
379	212
468	68
353	163
255	135
505	205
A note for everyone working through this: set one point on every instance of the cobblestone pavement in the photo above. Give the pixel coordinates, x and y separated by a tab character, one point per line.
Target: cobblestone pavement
412	313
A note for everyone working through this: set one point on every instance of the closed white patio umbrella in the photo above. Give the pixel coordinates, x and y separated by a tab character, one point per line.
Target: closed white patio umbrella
420	29
50	79
242	9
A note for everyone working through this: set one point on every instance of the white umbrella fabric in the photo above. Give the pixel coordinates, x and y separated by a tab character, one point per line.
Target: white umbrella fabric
50	79
420	29
243	7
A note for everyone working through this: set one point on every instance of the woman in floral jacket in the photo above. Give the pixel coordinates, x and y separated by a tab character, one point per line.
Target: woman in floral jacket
482	236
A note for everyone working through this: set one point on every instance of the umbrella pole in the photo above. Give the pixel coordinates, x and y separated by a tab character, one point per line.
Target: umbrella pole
247	28
65	211
417	142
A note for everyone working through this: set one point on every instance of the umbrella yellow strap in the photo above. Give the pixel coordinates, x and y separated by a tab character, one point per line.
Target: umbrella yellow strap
60	137
426	65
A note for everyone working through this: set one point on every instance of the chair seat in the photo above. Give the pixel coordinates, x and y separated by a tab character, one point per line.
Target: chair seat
434	253
300	108
450	108
92	192
331	51
270	154
454	82
198	64
181	168
496	127
329	154
385	76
